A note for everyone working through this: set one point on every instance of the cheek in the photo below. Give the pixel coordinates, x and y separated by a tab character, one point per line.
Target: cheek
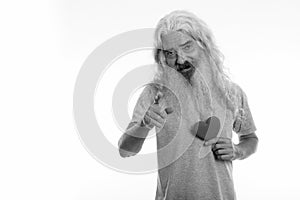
171	62
197	57
193	58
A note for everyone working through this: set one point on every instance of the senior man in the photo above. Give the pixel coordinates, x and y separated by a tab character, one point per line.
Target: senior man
189	88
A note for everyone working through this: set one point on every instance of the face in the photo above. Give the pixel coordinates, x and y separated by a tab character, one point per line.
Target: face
181	52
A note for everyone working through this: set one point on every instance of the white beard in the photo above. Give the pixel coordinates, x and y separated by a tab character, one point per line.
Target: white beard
196	87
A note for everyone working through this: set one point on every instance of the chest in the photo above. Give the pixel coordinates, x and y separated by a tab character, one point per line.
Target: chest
189	109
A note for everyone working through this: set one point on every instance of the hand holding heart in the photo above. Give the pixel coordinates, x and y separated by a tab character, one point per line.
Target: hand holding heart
223	148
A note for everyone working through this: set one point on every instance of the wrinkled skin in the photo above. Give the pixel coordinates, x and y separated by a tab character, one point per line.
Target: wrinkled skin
182	53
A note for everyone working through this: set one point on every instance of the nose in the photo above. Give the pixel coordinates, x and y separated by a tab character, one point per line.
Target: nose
180	58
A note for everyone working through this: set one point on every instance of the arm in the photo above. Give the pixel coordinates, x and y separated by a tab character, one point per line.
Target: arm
224	149
132	140
244	125
247	146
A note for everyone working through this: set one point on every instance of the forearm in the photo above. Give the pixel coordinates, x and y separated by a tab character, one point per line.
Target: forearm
246	146
132	140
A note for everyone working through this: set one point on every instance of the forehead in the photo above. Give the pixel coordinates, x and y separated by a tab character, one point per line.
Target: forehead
173	39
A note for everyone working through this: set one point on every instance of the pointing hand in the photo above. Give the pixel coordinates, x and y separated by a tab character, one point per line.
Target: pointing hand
156	115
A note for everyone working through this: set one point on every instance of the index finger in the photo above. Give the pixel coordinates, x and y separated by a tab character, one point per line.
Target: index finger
157	97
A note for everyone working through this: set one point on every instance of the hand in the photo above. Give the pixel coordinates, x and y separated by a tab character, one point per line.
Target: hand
223	148
156	115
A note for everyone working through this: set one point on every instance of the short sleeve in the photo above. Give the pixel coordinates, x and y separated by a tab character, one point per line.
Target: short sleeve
144	101
243	123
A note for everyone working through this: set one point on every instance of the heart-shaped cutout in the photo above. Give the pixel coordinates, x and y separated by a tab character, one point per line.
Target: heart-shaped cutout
209	128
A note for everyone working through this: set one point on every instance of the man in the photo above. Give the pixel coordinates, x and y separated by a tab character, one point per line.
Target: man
191	86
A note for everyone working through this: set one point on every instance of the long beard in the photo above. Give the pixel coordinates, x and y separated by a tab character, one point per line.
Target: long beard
192	83
203	94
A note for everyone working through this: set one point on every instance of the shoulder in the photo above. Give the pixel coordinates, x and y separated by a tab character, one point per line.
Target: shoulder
238	98
149	90
237	91
147	95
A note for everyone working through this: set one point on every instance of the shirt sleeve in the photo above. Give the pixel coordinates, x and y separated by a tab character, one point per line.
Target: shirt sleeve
144	101
243	123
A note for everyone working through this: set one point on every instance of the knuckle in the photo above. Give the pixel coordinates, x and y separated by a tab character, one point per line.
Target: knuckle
146	117
155	123
159	125
149	111
149	114
160	122
150	107
163	114
153	108
156	107
217	152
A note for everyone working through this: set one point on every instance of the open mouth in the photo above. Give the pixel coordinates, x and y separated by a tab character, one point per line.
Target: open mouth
185	68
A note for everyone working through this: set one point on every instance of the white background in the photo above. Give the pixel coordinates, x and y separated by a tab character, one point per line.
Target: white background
43	45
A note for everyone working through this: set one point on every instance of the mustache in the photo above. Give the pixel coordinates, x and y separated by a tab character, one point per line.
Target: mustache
185	65
187	69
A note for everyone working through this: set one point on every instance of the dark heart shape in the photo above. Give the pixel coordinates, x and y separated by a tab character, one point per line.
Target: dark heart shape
209	128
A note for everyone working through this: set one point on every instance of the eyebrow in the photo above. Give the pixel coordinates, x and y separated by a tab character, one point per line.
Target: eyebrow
187	42
181	45
167	50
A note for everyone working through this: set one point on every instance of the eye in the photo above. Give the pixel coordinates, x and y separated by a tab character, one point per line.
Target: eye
170	54
188	47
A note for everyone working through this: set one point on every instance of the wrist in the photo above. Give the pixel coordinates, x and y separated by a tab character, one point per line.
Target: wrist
238	153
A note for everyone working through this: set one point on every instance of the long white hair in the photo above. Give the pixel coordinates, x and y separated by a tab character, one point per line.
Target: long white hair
190	24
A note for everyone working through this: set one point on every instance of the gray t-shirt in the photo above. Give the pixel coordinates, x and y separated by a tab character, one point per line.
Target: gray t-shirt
188	170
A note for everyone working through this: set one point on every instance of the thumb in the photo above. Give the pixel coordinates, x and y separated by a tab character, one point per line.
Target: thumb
169	110
211	141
